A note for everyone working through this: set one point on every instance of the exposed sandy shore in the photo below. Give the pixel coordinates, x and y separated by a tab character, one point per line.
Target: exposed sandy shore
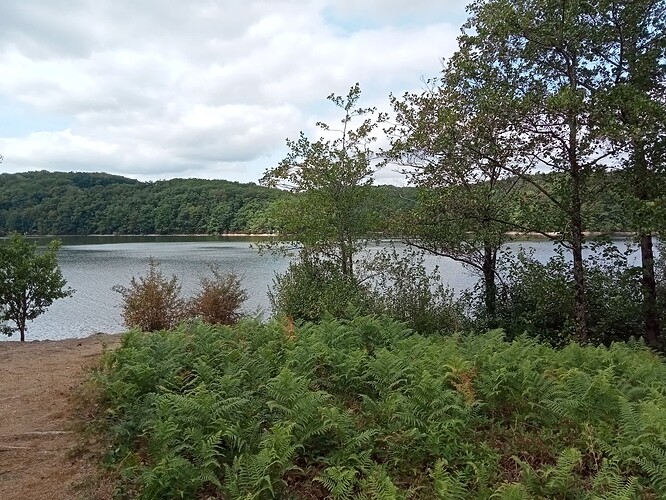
38	381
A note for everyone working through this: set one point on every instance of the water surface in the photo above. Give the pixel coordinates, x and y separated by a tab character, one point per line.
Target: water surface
94	265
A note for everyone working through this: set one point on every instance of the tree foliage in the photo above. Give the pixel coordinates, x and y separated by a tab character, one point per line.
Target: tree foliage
313	288
537	297
333	209
30	281
453	140
633	48
78	203
573	88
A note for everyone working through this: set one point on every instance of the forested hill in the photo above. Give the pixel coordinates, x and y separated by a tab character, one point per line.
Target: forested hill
98	203
78	203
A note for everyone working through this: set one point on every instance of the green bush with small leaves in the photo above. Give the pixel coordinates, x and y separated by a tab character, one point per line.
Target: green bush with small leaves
313	288
365	408
538	298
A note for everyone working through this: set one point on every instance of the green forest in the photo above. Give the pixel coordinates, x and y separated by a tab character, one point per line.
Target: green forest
81	203
97	203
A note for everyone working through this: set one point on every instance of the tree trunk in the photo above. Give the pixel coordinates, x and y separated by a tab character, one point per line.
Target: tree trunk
648	282
489	285
577	239
650	312
580	299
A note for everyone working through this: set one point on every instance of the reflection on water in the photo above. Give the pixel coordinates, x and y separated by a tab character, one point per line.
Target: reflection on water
93	265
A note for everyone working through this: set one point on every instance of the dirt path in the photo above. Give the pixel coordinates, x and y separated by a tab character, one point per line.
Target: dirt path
37	415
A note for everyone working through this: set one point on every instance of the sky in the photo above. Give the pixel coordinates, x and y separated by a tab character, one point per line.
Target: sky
158	89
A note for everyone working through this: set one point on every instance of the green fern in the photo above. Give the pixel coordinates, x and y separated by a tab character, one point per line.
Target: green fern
339	481
364	409
446	486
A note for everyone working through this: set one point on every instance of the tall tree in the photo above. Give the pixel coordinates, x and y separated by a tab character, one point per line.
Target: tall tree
29	282
632	46
545	50
452	139
331	177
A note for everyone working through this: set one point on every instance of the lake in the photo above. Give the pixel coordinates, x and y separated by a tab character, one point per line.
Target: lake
94	265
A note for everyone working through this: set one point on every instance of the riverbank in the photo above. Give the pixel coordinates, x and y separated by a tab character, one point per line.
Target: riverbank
516	235
39	382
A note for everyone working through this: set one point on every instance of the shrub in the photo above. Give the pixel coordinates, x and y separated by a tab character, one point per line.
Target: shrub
401	287
152	302
538	298
314	288
219	299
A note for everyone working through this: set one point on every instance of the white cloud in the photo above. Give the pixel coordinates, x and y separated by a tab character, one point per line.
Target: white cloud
209	88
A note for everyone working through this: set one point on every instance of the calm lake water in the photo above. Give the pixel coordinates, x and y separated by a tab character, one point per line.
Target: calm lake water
93	265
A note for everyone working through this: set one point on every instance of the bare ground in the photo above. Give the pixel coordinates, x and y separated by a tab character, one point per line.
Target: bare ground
38	384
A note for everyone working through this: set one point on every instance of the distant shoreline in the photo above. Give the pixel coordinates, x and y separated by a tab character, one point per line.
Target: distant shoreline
151	235
528	234
588	234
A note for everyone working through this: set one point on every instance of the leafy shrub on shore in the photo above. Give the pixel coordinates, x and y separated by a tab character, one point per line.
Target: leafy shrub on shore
219	299
364	408
154	302
401	288
312	289
538	298
391	283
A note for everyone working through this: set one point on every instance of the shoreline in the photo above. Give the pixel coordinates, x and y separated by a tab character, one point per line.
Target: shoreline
528	234
8	342
151	235
546	235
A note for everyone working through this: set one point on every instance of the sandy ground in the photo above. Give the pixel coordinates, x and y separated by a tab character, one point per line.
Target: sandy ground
38	384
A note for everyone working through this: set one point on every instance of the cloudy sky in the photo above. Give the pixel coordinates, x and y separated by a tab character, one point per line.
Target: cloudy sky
156	89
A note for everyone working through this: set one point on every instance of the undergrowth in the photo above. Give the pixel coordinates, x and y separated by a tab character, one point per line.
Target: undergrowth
366	409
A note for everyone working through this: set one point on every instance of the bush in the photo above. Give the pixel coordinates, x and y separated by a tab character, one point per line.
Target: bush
400	287
312	289
365	409
538	298
152	302
219	299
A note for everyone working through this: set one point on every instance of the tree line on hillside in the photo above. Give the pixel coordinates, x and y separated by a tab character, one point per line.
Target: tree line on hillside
79	203
96	203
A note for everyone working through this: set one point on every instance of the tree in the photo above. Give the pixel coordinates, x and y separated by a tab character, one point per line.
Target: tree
452	138
30	281
332	211
546	50
633	47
